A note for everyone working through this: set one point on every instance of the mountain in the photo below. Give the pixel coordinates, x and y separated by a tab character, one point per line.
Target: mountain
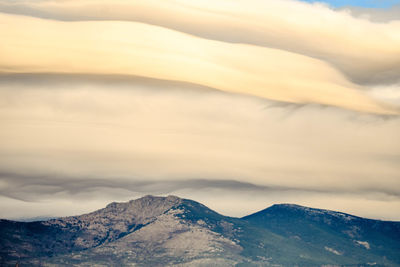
352	240
165	231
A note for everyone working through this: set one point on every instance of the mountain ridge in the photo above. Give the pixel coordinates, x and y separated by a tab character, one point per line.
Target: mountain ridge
163	231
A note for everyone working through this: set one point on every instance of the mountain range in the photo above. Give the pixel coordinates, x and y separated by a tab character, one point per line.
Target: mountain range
171	231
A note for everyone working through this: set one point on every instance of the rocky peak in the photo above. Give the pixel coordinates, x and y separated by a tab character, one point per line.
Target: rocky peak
116	219
156	205
139	211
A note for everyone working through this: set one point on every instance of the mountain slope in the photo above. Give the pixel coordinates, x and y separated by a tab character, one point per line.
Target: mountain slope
162	231
362	241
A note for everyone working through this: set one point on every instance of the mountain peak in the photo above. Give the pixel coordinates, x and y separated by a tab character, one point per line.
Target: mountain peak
289	205
148	200
293	209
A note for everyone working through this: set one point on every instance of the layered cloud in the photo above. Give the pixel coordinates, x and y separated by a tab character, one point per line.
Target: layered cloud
364	51
273	49
65	135
80	47
279	101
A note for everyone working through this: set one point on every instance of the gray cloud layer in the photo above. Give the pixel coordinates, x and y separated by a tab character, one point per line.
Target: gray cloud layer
33	188
381	15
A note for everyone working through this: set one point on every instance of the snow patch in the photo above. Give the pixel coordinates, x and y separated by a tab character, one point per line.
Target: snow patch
363	243
333	251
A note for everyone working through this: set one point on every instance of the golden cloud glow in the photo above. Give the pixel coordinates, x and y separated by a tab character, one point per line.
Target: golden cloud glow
364	51
132	48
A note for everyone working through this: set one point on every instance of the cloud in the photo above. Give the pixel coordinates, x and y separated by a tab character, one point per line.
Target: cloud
119	137
33	188
36	195
79	47
362	50
235	68
274	101
382	15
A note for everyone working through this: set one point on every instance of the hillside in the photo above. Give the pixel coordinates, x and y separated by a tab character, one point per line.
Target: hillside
161	231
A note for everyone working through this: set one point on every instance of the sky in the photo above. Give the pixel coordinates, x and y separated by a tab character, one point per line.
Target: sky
236	104
359	3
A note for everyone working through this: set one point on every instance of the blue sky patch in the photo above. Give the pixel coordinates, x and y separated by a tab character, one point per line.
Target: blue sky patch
360	3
